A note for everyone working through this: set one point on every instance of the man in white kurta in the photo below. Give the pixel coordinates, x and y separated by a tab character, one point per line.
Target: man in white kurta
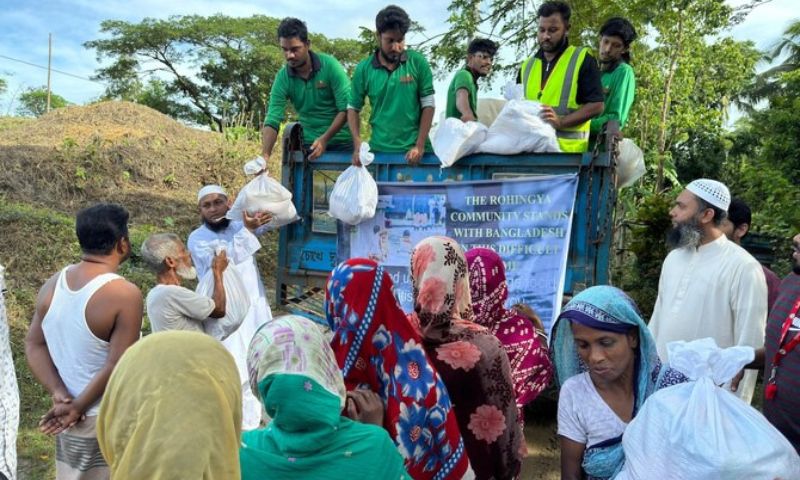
710	287
242	244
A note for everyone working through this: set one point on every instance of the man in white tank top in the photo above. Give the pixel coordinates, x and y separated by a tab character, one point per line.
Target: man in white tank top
86	316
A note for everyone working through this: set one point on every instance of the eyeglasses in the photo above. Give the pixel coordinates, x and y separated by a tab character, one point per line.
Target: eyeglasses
484	56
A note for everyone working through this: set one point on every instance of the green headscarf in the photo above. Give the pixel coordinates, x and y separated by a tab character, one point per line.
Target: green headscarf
294	373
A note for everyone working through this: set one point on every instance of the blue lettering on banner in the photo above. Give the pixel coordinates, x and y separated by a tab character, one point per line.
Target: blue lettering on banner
526	221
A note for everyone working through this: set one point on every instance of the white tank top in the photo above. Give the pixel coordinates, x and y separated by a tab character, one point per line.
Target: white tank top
76	352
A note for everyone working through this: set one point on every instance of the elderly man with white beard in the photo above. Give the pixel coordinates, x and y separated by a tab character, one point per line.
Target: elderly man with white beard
169	305
709	286
241	244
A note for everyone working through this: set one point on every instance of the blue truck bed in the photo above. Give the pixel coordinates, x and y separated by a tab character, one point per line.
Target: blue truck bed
307	249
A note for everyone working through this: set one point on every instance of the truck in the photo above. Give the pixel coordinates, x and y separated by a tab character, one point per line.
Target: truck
307	250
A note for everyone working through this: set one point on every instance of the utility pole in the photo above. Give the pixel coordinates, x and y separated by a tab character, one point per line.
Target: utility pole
49	61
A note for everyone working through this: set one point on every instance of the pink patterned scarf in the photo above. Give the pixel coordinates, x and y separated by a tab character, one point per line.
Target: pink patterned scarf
531	369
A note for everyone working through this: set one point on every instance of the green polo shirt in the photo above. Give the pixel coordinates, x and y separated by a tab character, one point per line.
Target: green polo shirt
462	79
317	100
619	87
394	98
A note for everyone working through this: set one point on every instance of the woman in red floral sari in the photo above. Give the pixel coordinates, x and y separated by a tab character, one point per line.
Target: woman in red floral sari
378	349
470	359
523	341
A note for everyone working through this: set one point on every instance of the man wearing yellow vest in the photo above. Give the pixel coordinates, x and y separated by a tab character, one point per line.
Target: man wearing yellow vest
565	79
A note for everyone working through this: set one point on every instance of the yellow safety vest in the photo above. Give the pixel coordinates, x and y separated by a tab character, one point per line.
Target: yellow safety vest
559	92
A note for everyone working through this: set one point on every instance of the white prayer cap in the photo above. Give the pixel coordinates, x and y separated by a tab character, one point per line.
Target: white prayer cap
208	190
712	191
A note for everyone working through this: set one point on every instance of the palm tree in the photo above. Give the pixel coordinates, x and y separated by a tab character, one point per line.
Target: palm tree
768	82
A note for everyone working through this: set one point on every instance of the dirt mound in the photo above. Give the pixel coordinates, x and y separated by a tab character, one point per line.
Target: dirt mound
116	151
112	121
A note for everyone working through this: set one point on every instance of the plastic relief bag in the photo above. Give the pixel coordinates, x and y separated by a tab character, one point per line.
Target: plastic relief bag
264	194
237	301
355	194
700	431
489	109
630	164
519	129
455	139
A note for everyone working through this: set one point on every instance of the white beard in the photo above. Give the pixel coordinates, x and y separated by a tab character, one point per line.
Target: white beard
186	273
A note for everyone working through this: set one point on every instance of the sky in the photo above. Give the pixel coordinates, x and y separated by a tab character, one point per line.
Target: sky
25	24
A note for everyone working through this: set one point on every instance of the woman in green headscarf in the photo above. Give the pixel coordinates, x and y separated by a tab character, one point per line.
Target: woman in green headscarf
294	373
172	410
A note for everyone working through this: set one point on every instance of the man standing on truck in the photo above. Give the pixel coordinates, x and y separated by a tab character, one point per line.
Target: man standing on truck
619	82
399	84
565	79
318	88
241	245
462	95
709	286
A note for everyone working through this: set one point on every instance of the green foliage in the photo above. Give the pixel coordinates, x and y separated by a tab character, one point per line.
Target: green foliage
238	133
158	95
3	85
236	60
764	161
768	83
648	229
33	102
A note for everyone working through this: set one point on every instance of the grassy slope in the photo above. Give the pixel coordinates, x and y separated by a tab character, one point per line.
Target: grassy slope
151	165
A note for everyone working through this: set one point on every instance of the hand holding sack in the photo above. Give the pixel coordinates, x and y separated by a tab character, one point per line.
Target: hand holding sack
237	301
264	194
701	431
354	197
455	139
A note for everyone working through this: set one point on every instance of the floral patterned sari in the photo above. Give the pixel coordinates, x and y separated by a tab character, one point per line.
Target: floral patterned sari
531	368
471	360
377	348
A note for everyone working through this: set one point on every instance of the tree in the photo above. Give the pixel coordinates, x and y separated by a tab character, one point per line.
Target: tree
220	68
768	82
764	164
33	102
3	86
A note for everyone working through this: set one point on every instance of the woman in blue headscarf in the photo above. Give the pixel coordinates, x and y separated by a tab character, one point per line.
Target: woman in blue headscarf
606	365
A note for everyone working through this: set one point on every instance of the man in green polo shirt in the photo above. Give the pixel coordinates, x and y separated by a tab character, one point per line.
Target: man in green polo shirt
462	96
399	84
619	82
318	88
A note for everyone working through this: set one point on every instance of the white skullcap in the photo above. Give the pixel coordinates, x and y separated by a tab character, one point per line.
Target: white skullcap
712	191
208	190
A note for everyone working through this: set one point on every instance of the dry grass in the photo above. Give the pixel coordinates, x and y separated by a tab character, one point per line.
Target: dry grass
116	151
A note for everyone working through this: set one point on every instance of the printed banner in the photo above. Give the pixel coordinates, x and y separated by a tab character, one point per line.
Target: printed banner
527	221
